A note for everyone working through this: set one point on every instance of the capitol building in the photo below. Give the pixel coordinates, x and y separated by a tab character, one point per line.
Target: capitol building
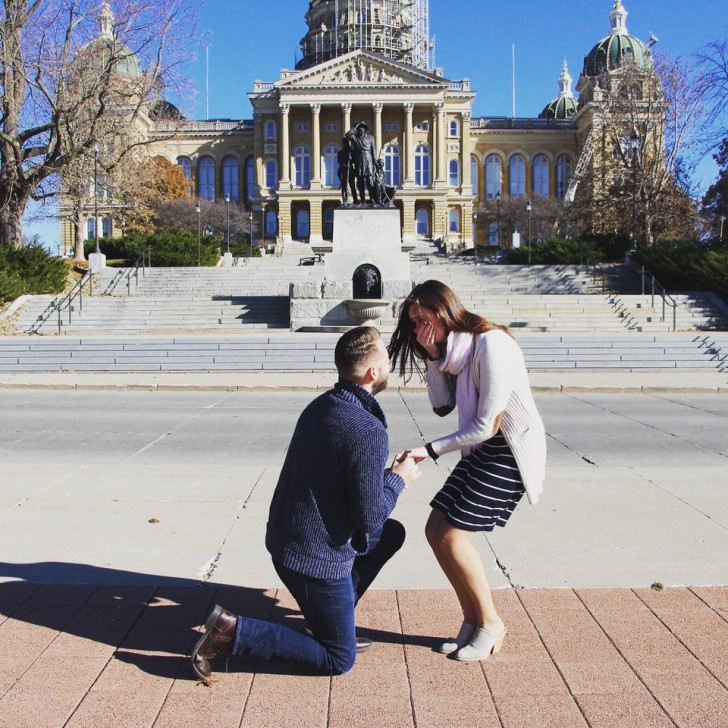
369	60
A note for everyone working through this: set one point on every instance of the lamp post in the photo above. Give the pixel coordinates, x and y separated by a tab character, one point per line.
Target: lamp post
497	224
199	233
250	247
227	202
475	231
634	143
96	195
528	239
722	220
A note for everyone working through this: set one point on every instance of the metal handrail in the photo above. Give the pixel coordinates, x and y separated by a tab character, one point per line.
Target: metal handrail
597	269
144	260
76	291
662	292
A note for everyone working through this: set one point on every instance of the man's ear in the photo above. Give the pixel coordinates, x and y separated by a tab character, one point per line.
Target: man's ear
369	374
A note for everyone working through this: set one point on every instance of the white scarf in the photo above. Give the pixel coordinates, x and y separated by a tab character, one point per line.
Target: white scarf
458	362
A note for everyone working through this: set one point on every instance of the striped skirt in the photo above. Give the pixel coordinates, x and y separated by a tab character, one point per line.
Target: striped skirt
483	489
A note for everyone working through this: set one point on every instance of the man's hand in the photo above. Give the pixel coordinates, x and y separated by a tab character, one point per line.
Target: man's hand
406	467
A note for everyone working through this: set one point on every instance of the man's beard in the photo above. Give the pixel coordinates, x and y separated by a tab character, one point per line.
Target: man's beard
380	385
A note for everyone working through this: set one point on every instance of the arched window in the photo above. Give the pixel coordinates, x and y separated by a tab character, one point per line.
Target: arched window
302	230
90	229
422	220
271	173
302	163
271	223
391	165
517	175
493	233
270	130
474	168
331	163
249	178
106	227
541	175
493	176
186	166
454	172
453	128
453	221
329	224
422	166
206	178
230	178
563	175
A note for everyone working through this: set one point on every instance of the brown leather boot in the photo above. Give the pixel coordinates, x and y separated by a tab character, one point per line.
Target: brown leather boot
217	638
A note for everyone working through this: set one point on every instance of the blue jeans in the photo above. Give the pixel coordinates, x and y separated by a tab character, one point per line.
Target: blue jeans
327	605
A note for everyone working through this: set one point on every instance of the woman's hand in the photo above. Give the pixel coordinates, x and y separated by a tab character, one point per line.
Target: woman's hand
418	454
425	333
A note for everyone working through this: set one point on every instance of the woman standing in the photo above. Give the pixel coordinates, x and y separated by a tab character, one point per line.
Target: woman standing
477	366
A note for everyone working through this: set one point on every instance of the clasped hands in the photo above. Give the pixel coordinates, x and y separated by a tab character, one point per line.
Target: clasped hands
405	464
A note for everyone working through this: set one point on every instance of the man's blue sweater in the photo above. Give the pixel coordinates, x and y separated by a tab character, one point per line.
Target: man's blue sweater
333	489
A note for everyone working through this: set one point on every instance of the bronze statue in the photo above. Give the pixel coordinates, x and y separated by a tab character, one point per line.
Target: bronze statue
345	174
363	153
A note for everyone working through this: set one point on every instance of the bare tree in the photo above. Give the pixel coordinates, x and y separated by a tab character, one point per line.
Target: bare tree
713	61
649	124
72	75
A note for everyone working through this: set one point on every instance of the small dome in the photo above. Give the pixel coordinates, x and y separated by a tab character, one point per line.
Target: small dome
105	46
125	62
618	48
564	105
163	110
561	108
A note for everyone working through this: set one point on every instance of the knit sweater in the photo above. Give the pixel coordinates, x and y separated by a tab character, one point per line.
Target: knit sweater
501	378
333	489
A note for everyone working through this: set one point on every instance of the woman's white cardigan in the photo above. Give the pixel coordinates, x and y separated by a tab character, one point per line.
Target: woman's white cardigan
501	379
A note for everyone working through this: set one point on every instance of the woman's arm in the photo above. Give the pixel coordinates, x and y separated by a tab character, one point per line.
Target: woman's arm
494	368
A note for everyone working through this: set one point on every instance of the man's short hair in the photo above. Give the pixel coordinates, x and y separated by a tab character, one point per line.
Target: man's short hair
354	349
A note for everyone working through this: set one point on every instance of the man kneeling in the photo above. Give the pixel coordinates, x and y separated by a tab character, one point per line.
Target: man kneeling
329	530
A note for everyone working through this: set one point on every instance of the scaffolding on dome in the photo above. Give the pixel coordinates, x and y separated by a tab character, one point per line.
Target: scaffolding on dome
397	29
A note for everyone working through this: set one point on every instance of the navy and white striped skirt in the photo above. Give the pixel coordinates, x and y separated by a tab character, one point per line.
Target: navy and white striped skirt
483	489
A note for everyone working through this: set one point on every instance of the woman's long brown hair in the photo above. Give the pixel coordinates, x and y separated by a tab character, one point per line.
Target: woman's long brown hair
447	307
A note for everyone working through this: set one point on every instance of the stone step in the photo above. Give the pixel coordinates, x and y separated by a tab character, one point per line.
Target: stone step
310	352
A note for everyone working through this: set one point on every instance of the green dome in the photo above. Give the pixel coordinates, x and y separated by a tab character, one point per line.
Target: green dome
616	51
125	62
563	107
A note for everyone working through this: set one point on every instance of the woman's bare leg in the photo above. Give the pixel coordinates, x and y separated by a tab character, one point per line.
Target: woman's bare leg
433	531
465	570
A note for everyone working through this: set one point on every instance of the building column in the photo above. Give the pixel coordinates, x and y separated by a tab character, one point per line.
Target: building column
440	179
315	222
285	177
378	126
284	222
409	154
316	129
346	110
465	145
409	224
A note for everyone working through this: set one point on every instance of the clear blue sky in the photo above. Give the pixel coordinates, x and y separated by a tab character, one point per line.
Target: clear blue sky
250	40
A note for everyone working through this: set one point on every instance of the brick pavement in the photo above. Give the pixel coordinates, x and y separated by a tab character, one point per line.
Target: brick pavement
96	656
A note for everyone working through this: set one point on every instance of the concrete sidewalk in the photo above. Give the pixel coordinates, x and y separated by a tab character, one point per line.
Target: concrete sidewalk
112	502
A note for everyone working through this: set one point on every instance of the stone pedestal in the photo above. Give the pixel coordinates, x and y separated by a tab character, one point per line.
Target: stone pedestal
96	262
365	240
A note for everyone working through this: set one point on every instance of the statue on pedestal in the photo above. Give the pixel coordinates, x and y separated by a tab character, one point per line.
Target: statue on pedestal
363	153
346	175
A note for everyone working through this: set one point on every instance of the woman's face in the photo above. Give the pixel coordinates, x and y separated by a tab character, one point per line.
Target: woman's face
426	324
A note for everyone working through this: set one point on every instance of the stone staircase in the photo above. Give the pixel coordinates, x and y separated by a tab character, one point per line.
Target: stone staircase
253	297
315	352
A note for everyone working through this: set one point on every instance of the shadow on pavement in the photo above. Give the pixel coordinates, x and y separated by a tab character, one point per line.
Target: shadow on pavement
150	620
